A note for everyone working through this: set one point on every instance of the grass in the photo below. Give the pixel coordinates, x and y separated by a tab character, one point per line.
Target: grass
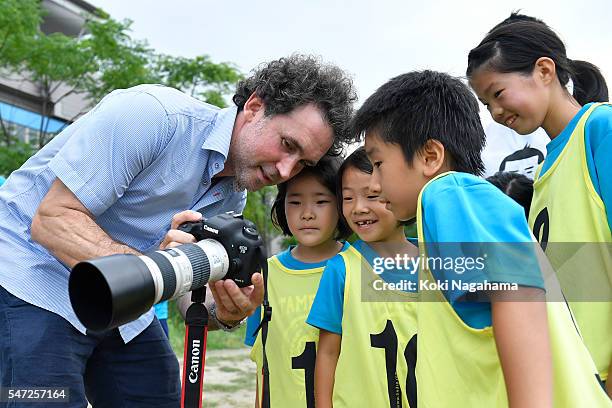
216	340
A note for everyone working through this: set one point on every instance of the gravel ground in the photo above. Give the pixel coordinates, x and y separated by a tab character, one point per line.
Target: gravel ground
229	379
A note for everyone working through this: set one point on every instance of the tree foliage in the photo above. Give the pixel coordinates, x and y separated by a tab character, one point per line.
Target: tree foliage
198	76
104	58
257	210
19	21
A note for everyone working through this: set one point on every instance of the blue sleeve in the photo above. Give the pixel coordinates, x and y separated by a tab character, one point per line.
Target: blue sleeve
161	310
475	220
599	132
252	324
327	308
110	146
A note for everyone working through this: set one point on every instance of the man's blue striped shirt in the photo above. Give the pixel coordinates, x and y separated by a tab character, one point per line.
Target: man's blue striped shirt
137	158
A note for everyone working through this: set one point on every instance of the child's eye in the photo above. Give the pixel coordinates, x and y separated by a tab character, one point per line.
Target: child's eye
347	198
377	164
323	201
293	202
496	94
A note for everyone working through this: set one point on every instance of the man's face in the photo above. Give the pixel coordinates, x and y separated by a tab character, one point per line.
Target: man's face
270	150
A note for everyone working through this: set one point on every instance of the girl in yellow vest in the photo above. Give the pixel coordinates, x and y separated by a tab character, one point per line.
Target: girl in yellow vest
306	209
479	343
367	326
520	71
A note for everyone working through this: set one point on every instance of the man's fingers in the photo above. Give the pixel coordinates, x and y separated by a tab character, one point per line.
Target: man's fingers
176	237
224	300
184	216
257	295
238	298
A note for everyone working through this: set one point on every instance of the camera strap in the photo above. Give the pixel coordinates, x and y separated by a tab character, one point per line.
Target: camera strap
263	325
196	331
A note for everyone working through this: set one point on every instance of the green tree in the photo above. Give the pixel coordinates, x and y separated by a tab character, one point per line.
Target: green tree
257	209
104	58
198	76
14	155
119	61
19	21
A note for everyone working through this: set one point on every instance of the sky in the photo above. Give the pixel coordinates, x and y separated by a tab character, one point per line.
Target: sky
372	40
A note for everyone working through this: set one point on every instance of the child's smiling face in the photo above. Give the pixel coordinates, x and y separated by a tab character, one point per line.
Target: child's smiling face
363	211
396	181
515	100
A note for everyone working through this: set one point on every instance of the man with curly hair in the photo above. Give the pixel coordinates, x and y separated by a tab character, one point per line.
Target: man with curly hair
111	182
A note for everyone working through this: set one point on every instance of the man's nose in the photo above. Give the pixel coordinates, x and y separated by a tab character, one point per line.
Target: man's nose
288	167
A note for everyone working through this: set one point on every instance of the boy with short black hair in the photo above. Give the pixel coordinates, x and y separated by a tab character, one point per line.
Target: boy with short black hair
419	128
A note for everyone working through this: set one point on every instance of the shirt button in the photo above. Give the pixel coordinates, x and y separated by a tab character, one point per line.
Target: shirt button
216	165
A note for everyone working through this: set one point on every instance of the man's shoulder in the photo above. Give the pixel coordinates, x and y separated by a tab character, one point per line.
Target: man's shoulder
175	101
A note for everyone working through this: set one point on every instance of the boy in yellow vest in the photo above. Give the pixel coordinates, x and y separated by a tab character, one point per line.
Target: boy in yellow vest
424	137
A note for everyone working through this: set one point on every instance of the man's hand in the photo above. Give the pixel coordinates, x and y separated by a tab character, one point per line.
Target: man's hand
233	303
174	237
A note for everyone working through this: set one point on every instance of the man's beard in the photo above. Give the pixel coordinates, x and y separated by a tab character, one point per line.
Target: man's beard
241	155
244	180
244	183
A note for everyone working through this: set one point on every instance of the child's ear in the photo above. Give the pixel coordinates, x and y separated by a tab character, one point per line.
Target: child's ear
432	156
545	70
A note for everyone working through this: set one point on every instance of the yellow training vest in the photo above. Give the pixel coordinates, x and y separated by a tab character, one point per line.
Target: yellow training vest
291	343
569	218
458	366
378	350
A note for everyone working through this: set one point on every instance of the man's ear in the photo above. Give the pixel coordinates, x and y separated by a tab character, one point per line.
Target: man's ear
545	70
252	107
431	157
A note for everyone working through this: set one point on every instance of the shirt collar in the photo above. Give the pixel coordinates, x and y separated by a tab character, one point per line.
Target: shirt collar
220	136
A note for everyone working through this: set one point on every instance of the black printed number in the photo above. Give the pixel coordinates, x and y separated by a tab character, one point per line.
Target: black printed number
387	340
306	362
541	228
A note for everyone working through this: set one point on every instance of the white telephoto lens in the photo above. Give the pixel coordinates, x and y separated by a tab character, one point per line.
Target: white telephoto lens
217	258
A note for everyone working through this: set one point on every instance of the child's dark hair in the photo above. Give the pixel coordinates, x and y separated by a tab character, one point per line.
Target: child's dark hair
326	172
516	186
415	107
589	84
515	44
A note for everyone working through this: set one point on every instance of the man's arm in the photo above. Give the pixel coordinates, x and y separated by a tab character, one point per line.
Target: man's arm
66	228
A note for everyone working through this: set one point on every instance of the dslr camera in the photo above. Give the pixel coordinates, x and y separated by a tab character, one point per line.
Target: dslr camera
109	291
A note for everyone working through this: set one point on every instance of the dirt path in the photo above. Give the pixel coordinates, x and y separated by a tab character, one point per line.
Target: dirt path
229	379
